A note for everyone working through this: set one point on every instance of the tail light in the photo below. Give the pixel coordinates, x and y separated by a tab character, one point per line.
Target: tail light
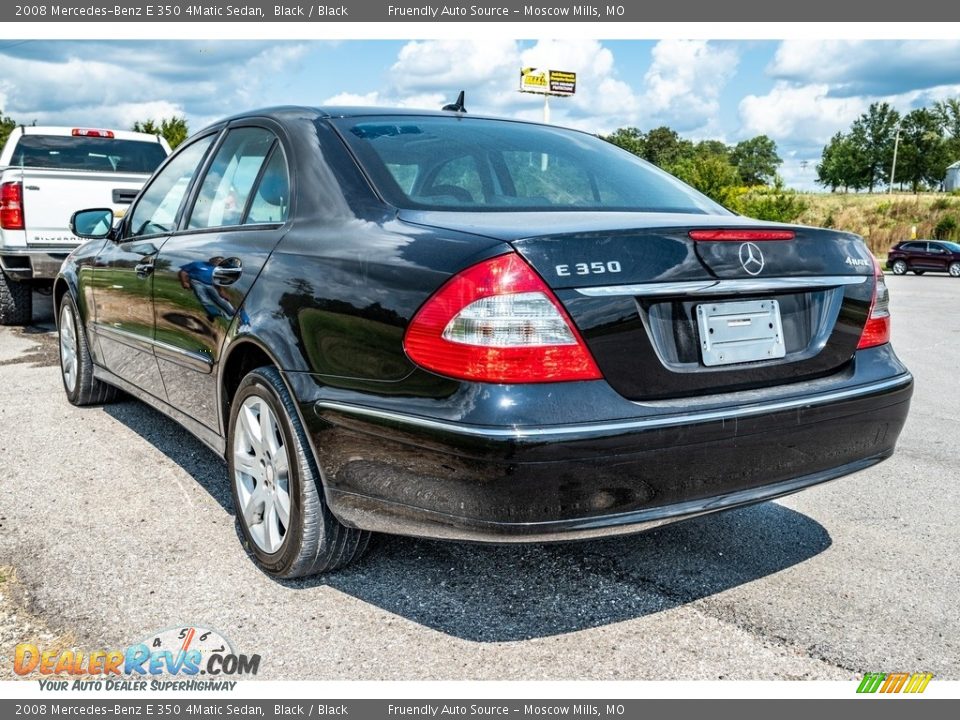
11	206
91	132
877	330
735	235
498	322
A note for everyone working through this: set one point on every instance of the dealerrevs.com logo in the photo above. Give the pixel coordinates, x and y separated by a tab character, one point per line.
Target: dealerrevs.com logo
179	658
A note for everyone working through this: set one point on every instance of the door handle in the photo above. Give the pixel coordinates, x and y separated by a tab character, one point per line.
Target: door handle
144	269
228	272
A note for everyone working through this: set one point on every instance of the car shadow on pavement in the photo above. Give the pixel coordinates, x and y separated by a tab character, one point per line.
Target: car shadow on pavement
516	592
502	593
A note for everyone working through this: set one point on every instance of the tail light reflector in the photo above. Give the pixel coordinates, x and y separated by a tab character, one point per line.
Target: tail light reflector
735	235
877	329
497	321
11	206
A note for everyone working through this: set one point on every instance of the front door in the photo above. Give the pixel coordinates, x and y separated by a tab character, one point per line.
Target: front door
123	278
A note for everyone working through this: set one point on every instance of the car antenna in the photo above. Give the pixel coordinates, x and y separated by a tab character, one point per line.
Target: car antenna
457	106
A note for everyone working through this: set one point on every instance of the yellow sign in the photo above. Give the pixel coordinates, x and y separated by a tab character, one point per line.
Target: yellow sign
548	82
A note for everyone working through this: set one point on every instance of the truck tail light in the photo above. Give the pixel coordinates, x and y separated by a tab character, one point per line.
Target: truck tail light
11	206
497	321
877	330
92	132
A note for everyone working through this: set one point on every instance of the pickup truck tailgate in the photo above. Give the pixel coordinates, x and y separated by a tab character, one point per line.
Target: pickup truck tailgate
50	197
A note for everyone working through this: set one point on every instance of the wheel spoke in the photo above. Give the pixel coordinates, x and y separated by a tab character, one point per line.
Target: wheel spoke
247	464
251	429
268	431
273	536
283	504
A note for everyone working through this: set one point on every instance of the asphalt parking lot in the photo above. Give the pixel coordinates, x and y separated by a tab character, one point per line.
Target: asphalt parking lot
115	523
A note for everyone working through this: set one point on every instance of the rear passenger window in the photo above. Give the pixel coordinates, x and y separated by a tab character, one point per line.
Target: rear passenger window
271	201
230	179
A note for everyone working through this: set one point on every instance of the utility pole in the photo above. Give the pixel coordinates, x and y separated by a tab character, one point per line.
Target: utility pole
893	167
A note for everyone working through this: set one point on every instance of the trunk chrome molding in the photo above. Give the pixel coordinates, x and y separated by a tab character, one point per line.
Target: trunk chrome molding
605	428
724	287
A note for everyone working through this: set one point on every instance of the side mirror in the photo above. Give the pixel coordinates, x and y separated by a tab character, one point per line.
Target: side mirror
94	224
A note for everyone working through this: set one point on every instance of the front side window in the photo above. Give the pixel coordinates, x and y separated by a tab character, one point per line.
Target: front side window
230	179
475	164
156	210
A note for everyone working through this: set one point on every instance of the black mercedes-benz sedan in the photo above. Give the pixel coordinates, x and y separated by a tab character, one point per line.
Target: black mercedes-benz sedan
458	327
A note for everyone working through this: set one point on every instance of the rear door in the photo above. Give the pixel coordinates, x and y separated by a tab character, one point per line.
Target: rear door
204	271
937	257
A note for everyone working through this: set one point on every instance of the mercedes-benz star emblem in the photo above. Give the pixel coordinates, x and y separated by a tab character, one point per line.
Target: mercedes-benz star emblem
751	258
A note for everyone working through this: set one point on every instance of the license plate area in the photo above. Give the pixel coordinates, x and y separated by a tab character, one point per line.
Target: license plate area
739	332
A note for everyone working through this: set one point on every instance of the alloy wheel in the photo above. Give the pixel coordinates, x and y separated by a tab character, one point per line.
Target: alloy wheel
262	474
69	361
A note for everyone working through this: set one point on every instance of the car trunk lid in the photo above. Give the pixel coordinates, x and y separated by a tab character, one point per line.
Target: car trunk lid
667	315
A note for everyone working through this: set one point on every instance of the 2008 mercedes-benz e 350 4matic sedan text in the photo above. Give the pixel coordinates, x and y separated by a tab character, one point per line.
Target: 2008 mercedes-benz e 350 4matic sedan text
460	327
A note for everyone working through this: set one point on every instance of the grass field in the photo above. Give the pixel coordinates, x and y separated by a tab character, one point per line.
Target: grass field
882	219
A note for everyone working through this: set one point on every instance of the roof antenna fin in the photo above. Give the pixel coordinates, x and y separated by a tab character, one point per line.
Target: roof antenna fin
457	106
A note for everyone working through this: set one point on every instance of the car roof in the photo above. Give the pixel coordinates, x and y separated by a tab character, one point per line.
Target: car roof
282	112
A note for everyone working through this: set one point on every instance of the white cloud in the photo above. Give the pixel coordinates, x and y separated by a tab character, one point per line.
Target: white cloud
685	81
681	88
861	67
806	115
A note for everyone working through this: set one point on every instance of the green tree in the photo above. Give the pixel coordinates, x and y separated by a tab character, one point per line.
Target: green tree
949	112
842	164
713	175
7	124
664	147
923	156
756	160
874	131
706	148
174	129
630	139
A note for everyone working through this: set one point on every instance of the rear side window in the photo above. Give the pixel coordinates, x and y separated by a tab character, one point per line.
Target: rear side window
230	180
476	164
271	201
93	154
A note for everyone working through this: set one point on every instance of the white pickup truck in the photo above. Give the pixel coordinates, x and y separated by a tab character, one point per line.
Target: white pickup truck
46	173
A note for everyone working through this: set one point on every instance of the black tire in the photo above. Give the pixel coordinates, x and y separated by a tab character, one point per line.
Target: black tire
899	267
314	541
954	269
86	389
16	301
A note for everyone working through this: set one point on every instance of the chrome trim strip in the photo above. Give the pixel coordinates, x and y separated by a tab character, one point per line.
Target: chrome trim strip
605	428
185	358
723	287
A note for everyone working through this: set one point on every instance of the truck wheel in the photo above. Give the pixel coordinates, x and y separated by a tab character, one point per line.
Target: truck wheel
16	301
76	365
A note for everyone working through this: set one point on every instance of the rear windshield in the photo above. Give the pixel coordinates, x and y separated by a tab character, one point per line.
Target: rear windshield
462	163
88	153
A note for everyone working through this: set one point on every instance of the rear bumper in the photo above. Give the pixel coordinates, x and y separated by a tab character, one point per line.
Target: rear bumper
408	474
33	264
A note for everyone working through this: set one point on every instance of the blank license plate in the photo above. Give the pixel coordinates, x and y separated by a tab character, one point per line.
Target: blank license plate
738	332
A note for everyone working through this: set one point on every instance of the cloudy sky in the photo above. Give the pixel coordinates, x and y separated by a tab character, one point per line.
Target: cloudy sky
799	92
